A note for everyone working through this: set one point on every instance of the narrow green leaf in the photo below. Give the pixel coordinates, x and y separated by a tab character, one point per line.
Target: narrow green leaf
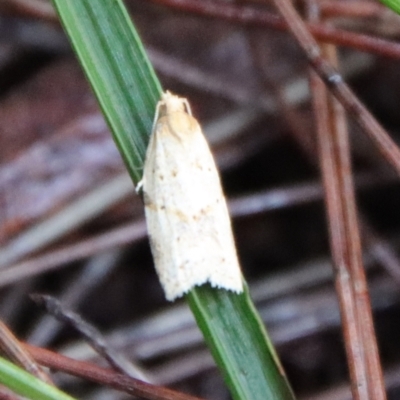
117	67
27	385
393	4
239	343
123	80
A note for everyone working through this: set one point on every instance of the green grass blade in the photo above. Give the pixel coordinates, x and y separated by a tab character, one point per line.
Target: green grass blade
127	89
27	385
113	58
240	345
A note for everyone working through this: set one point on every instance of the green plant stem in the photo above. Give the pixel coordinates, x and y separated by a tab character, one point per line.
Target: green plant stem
233	330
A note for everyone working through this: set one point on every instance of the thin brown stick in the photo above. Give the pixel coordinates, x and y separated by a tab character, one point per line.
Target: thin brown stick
381	250
338	87
256	16
334	154
335	212
358	9
104	376
90	333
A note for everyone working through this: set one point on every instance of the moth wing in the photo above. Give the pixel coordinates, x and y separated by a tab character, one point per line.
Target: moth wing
186	212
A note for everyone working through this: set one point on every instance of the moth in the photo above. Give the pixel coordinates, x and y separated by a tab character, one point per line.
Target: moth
186	212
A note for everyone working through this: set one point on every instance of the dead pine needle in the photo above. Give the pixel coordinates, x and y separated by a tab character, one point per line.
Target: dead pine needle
92	335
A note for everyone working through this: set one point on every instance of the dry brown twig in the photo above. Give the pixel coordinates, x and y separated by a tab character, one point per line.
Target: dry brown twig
363	357
251	16
106	377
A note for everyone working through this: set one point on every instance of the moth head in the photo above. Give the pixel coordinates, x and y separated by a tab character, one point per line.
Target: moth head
171	103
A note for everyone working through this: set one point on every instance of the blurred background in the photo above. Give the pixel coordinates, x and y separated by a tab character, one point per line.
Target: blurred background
72	226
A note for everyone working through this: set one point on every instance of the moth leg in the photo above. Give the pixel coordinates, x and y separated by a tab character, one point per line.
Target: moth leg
187	105
139	187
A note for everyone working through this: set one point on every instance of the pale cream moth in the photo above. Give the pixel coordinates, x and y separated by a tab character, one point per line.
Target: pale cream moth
187	216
